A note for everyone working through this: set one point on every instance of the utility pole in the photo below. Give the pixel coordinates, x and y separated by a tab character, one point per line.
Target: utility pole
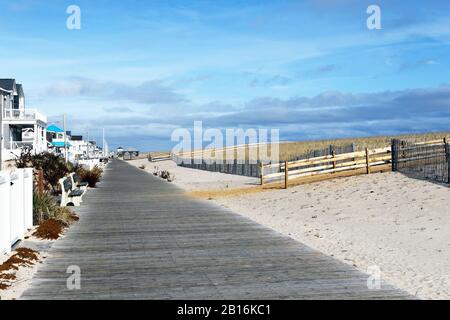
103	143
66	151
87	145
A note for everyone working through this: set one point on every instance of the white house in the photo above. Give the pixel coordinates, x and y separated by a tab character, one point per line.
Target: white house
81	149
78	148
21	128
94	151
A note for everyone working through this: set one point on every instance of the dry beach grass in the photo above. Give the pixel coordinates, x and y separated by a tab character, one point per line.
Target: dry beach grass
289	150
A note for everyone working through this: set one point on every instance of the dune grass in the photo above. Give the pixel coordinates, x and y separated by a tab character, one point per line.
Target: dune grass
289	150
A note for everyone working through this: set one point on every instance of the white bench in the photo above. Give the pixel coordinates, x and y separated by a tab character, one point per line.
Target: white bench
70	196
82	185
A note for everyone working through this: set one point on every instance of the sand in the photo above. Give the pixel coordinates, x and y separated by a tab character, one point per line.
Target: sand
193	179
25	273
387	220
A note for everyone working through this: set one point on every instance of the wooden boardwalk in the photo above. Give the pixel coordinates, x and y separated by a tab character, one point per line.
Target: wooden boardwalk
141	238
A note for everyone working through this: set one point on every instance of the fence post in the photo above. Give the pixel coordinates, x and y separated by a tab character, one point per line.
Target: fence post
261	166
394	154
447	149
286	174
367	161
333	153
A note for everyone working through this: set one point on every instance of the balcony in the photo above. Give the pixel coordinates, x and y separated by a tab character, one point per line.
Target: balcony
12	145
13	149
23	115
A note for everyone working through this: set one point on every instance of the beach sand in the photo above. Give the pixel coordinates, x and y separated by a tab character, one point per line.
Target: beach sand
387	220
193	179
25	273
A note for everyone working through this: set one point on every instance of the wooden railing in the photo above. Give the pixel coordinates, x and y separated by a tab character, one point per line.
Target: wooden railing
370	159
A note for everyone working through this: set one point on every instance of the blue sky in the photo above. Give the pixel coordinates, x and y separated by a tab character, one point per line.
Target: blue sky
310	68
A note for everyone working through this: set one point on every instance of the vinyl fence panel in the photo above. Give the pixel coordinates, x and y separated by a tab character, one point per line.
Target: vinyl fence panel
16	207
5	237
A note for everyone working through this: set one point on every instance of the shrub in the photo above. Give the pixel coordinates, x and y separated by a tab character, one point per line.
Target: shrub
45	206
90	176
54	167
24	160
71	167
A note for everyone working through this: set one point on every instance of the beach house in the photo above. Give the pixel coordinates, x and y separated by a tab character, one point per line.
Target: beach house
58	142
95	151
78	148
21	128
82	149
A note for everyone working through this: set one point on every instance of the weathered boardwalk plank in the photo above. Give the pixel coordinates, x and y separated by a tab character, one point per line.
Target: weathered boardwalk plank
141	238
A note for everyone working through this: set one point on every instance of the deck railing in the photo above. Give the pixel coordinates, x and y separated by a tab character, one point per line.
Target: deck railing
23	114
12	145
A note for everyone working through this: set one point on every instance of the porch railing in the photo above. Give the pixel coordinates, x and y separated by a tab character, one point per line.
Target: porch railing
23	114
12	145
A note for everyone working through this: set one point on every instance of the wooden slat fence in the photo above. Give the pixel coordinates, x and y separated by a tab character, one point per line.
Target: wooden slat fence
246	168
428	160
249	168
424	160
328	165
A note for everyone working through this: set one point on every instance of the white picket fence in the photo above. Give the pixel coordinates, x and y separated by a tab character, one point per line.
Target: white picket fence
16	207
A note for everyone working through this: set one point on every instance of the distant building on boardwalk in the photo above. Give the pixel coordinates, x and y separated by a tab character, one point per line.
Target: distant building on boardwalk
128	154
